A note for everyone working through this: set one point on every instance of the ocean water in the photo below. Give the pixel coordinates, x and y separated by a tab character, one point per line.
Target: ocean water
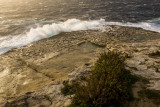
25	21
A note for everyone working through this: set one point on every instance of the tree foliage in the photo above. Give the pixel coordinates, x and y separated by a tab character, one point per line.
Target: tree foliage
110	84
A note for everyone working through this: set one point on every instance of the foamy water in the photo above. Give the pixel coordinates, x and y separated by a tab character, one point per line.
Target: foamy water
144	25
49	30
46	31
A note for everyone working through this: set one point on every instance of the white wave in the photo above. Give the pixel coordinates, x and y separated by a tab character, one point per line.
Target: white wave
45	32
67	26
144	25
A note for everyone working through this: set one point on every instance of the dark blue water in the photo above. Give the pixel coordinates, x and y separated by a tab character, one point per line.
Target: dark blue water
17	16
24	20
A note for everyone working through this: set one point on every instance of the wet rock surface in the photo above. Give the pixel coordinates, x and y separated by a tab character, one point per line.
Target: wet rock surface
33	75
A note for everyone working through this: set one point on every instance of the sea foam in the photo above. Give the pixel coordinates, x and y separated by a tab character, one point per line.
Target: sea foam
70	25
46	31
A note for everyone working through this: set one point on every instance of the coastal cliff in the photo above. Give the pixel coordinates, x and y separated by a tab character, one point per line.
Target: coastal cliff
33	75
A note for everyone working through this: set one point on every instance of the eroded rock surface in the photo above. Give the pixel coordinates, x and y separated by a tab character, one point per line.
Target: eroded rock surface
33	75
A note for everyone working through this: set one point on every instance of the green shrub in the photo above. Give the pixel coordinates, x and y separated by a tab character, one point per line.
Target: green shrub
110	84
68	88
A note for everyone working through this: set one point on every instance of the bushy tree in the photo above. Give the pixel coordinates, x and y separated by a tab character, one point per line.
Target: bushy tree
108	86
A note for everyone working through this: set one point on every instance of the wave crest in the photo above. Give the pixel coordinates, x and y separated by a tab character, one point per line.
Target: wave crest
70	25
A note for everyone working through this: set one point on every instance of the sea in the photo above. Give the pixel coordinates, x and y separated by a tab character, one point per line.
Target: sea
23	22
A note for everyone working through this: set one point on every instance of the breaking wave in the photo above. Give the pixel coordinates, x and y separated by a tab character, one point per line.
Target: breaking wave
35	34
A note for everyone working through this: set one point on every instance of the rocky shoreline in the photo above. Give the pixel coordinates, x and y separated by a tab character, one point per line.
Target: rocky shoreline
33	75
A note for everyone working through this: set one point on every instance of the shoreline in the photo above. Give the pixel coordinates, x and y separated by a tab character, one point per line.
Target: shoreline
70	25
50	61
